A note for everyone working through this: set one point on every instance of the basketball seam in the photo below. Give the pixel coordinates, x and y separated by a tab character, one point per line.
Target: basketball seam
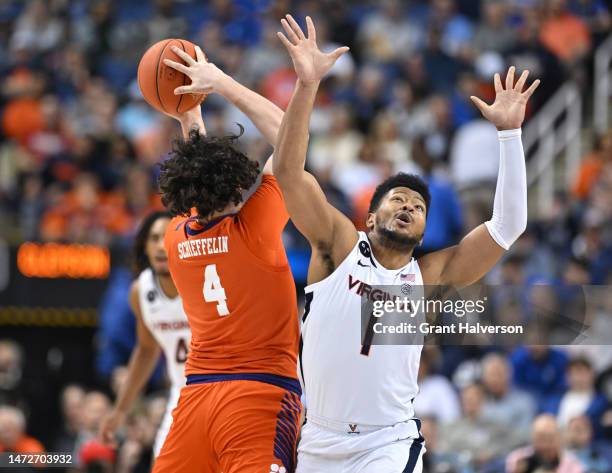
178	105
161	54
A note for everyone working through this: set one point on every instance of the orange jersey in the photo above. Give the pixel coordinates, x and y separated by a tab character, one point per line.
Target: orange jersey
237	288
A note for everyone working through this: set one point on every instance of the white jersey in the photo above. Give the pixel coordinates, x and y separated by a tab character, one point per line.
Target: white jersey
166	320
342	386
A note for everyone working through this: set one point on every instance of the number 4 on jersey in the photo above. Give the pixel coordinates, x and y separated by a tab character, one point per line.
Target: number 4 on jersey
213	290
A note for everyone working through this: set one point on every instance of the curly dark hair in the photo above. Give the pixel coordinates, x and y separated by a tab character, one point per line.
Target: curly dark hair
140	260
207	173
402	179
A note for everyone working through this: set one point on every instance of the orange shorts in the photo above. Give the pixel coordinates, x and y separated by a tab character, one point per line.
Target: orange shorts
233	425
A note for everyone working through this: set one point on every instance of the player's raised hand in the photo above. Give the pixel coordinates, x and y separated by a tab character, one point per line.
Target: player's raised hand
508	110
206	78
309	62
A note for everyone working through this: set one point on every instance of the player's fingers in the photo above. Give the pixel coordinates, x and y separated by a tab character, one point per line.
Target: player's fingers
531	89
177	65
296	27
480	105
510	78
498	84
288	44
336	53
200	54
520	83
184	56
184	89
290	33
312	32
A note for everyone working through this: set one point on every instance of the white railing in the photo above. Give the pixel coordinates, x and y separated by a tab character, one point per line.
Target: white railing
553	134
602	90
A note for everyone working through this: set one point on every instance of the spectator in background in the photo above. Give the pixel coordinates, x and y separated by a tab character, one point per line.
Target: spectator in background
592	165
13	437
339	146
37	29
581	398
11	372
96	406
592	249
564	34
434	460
264	57
437	396
72	402
474	437
387	35
96	457
165	23
530	53
86	215
474	156
442	69
504	405
456	30
540	370
493	33
364	174
391	147
367	97
596	15
545	454
579	442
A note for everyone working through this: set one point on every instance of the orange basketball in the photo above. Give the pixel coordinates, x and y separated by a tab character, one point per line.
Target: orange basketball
158	81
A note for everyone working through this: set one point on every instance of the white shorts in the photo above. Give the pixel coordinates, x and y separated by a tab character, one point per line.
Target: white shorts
166	422
395	449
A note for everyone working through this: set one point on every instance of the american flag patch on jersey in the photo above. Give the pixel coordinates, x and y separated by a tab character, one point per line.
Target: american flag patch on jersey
408	277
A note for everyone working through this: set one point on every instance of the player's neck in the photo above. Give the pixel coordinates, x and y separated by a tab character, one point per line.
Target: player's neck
390	256
229	210
167	286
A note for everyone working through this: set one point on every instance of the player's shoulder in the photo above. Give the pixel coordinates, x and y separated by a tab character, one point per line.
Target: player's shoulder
134	294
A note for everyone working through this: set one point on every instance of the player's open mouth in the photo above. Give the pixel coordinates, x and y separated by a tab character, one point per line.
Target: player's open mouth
403	218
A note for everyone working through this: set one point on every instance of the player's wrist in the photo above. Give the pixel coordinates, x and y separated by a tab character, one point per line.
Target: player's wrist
308	85
228	87
507	133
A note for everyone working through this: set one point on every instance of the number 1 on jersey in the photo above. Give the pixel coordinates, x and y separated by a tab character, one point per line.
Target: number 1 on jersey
213	290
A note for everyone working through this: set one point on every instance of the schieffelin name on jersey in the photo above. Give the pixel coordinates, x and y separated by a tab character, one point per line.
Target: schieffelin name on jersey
202	247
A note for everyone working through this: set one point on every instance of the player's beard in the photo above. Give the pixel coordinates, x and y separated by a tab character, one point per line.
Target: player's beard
395	240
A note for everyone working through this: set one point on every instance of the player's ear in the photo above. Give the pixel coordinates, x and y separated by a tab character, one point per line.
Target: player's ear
370	221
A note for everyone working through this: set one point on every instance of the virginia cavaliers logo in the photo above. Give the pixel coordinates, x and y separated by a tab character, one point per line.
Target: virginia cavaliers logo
353	428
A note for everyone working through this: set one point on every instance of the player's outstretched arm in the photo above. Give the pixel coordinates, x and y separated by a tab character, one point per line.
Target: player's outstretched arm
206	78
478	252
141	366
324	226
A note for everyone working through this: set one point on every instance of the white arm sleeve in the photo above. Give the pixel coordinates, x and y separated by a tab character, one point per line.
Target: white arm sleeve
510	205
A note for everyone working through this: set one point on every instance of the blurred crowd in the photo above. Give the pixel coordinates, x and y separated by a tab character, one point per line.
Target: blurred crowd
78	154
79	146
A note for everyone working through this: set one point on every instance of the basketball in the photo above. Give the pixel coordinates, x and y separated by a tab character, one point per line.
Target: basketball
158	81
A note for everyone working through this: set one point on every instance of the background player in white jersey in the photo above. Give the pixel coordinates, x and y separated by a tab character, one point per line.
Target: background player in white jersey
359	398
161	326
